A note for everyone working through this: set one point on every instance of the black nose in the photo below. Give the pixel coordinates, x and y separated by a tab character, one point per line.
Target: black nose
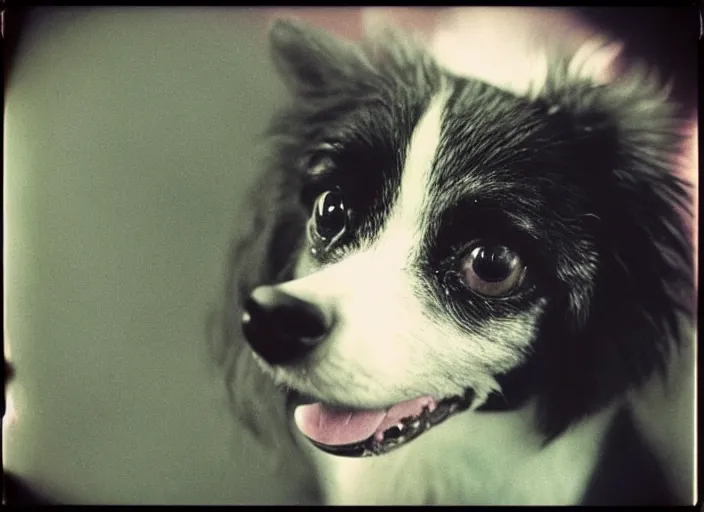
282	328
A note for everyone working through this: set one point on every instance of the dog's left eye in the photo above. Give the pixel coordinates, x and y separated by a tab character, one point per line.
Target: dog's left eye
493	271
328	221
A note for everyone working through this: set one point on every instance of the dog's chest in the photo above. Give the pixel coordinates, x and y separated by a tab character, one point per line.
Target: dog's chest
487	460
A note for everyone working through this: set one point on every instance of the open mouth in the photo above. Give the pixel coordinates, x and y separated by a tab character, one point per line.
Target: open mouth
357	432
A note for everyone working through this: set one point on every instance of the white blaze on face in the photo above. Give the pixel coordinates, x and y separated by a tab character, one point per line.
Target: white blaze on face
420	155
403	230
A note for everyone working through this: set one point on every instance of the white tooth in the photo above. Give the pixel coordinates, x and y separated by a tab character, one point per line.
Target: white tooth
379	436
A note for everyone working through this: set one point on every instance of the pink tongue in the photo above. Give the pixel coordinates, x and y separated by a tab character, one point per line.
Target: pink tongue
339	426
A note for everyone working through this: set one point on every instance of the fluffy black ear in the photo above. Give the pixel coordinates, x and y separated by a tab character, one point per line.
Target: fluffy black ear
604	339
312	61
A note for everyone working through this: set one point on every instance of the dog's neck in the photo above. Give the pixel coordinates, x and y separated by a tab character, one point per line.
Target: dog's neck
474	458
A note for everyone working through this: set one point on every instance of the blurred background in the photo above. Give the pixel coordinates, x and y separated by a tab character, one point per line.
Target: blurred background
131	136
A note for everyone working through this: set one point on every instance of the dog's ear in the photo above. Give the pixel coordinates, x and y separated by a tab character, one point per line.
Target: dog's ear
619	326
312	61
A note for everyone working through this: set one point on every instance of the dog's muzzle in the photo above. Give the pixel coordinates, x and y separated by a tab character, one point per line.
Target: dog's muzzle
281	328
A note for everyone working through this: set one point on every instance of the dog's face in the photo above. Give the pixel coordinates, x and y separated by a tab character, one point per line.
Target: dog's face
455	233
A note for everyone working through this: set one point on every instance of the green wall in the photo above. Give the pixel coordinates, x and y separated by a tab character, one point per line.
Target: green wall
130	139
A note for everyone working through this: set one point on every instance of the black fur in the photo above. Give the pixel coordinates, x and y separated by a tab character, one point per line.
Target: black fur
581	175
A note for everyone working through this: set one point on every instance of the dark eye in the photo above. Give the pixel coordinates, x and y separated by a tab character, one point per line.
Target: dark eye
493	271
329	219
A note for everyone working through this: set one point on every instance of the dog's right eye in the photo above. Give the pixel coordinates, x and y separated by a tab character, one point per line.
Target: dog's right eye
328	222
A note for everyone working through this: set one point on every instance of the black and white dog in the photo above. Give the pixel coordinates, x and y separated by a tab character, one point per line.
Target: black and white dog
447	288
